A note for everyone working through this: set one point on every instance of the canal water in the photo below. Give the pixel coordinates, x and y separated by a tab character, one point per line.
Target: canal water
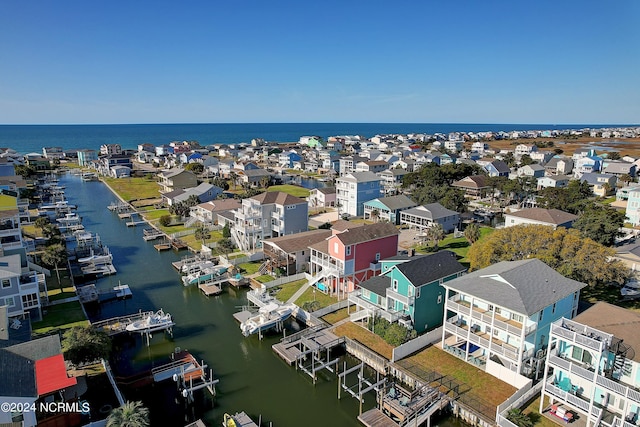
252	377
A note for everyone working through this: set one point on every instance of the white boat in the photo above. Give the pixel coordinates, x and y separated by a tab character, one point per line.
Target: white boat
630	292
204	275
70	219
89	176
57	206
197	266
267	317
96	259
157	321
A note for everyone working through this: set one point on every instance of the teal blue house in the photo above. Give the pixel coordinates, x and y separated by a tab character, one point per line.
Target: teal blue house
408	290
388	208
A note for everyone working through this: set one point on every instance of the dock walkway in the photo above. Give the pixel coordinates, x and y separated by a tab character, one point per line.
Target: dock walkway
295	347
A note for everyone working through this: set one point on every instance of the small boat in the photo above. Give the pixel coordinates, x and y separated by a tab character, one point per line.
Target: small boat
228	421
96	259
204	275
89	176
196	267
70	219
268	316
157	321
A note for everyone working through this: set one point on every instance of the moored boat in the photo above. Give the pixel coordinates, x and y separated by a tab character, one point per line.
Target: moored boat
157	321
268	316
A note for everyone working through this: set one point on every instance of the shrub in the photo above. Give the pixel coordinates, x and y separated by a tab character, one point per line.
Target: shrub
165	220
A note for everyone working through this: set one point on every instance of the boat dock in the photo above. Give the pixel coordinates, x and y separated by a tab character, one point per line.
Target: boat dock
312	341
117	325
376	418
164	246
191	260
209	289
183	364
151	234
178	244
89	293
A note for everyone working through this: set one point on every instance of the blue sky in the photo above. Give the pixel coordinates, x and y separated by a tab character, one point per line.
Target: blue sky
251	61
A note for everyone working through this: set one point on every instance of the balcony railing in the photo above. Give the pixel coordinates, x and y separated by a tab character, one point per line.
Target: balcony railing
568	332
572	367
571	399
399	297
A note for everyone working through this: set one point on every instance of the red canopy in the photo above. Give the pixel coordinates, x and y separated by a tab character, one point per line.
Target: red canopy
51	375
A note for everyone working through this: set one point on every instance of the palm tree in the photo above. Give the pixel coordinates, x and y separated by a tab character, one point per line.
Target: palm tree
131	414
472	233
435	233
234	178
202	233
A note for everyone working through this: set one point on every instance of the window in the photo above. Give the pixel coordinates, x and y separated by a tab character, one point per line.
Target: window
29	301
6	283
365	293
9	302
291	206
335	247
517	317
378	256
540	316
553	309
348	250
395	285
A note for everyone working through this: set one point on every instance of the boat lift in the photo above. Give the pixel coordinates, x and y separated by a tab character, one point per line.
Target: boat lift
357	390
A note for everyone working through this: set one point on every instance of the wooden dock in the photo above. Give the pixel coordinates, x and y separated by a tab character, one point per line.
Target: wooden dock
240	419
178	245
151	234
376	418
210	289
298	346
164	246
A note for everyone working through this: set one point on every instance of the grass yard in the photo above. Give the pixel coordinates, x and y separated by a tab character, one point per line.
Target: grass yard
61	316
336	316
538	420
367	338
477	381
288	289
133	188
265	278
309	295
460	246
155	214
250	267
57	294
294	190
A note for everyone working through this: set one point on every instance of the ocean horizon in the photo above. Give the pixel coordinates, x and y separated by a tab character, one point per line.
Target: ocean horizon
33	137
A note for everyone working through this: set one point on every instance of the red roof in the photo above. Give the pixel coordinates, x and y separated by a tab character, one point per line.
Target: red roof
51	375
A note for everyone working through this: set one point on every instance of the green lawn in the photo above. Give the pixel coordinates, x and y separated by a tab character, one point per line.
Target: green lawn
250	267
265	278
134	188
61	316
336	316
294	190
459	246
57	294
155	214
309	295
288	289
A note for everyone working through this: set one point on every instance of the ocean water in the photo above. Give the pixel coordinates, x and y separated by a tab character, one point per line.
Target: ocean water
31	138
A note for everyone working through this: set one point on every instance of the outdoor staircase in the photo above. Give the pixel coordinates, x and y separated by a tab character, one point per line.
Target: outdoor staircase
263	267
360	315
189	222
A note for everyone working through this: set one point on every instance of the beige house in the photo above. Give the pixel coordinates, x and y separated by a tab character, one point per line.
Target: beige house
552	217
176	179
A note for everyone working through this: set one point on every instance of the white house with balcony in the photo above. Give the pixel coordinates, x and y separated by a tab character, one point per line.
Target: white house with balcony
593	367
20	288
498	318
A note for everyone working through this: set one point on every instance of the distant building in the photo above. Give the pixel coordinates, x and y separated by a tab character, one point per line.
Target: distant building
537	216
86	157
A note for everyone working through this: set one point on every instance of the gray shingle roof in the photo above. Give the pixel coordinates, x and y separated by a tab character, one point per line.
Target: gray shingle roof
397	202
18	375
525	286
378	285
423	270
550	216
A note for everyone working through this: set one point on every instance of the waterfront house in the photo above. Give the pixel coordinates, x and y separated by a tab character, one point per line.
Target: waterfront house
408	290
176	179
205	192
353	189
593	365
474	186
38	162
602	184
348	163
266	215
388	208
538	216
322	197
422	217
291	252
351	255
522	149
119	171
20	289
207	212
499	317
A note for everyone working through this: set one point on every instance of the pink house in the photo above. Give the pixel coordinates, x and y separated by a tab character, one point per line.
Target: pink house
351	255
